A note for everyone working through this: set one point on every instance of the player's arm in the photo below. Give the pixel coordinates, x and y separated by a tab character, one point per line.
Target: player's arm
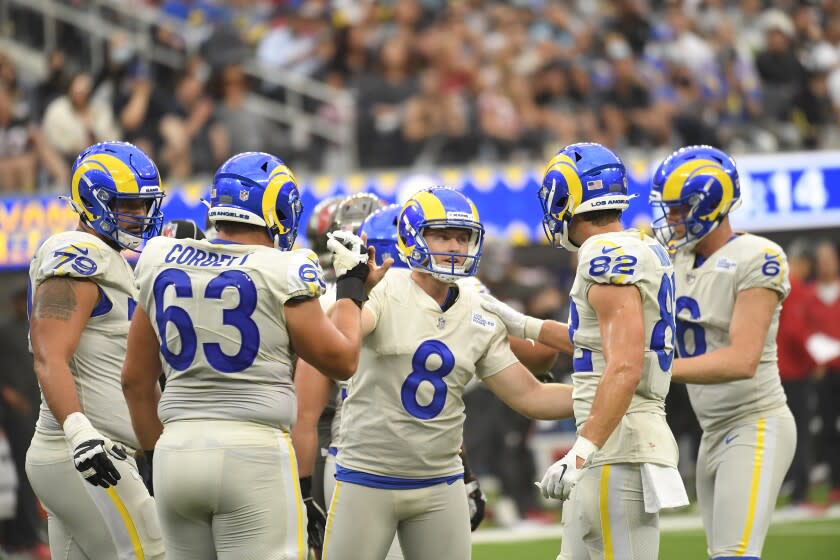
748	328
522	392
140	374
535	356
621	320
60	310
331	347
550	333
313	392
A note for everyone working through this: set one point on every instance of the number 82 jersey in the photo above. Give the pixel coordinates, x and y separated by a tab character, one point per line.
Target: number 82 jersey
628	258
218	312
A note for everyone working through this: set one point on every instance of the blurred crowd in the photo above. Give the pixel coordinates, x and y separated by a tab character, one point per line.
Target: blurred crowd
434	82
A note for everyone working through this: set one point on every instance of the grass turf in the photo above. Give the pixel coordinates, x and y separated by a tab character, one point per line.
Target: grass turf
805	540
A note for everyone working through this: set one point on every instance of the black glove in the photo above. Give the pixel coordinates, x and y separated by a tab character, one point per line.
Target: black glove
315	515
91	458
476	502
146	468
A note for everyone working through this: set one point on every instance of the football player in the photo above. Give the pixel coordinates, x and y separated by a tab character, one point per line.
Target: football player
225	316
398	454
729	289
82	298
622	468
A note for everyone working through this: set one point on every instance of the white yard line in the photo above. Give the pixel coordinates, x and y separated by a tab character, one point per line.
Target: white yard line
668	524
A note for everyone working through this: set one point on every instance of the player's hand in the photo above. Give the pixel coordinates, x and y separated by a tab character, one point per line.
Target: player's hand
476	502
376	273
348	251
92	452
517	324
562	476
316	518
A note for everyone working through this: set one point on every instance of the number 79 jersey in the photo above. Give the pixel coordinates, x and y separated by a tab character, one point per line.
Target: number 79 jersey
217	310
628	258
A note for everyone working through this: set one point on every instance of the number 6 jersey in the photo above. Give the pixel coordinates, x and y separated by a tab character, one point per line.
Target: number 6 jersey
403	419
705	302
217	309
628	258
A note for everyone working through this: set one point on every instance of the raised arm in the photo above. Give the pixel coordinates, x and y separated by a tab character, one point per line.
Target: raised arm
522	392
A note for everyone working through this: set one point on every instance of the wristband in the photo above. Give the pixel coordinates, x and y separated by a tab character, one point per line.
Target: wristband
583	448
352	284
533	327
306	486
77	429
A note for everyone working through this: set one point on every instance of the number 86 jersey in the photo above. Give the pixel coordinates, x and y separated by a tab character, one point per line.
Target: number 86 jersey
628	258
218	312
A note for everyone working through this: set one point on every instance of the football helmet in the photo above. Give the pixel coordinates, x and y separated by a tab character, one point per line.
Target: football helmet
584	177
257	188
381	230
353	210
701	183
441	208
320	223
109	173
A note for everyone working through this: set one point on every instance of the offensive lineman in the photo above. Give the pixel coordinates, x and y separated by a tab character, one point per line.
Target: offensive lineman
226	316
622	468
82	296
729	290
398	469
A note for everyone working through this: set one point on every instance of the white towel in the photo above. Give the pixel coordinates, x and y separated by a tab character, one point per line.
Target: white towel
663	488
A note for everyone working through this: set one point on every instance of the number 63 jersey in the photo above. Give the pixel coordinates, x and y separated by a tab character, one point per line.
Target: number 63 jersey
628	258
705	301
217	309
404	415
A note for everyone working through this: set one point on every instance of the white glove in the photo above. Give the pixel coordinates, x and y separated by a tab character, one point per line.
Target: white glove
561	477
517	324
348	251
92	452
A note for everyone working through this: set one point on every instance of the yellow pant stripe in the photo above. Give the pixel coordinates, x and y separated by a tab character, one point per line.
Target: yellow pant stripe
129	523
330	515
754	487
301	542
604	502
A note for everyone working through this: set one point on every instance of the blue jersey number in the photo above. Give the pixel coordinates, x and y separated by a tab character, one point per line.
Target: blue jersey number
665	326
624	264
683	327
584	361
239	317
420	373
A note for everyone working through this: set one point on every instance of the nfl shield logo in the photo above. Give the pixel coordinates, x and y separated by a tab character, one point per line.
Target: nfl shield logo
441	324
243	195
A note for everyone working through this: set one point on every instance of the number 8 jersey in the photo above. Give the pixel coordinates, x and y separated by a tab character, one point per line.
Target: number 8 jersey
403	418
217	309
628	258
705	302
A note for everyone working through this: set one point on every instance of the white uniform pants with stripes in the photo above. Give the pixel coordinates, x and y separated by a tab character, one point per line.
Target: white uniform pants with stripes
739	473
605	518
86	521
433	523
395	552
228	490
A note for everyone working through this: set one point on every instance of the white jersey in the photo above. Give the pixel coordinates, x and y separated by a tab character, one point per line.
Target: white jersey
628	258
404	414
705	301
218	311
469	283
97	363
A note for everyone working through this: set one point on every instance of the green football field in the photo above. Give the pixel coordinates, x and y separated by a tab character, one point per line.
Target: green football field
801	540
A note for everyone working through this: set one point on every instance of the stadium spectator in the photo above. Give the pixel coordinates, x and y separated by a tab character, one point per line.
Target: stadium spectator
796	367
247	130
780	69
822	315
207	140
20	396
74	121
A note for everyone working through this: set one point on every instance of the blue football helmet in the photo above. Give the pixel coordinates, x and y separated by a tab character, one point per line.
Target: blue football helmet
257	188
580	178
107	174
692	191
443	208
381	230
